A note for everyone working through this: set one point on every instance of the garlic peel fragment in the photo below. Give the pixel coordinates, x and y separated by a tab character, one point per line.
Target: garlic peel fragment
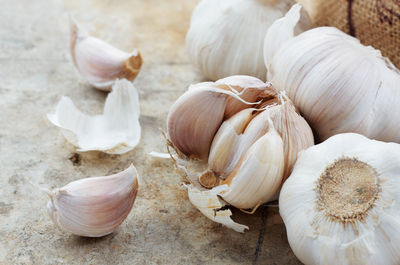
210	205
116	131
94	207
99	62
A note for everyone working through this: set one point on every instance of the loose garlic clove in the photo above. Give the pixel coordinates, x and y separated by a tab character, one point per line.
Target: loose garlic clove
96	206
258	175
99	62
340	204
196	116
117	131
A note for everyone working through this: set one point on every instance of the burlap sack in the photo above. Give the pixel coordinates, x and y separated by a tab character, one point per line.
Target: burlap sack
373	22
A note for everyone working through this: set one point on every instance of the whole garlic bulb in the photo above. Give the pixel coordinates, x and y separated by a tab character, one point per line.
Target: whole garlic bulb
94	207
340	204
226	36
338	84
250	148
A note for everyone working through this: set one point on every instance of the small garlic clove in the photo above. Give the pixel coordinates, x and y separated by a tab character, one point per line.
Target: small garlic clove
117	131
96	206
226	140
212	207
258	175
99	62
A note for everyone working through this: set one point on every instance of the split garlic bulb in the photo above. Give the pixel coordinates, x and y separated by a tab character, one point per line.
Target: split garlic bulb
250	146
226	36
338	84
340	204
99	62
94	207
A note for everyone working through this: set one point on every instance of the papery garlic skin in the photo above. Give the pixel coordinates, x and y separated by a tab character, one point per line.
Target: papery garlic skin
96	206
99	62
196	116
116	131
338	84
368	236
226	36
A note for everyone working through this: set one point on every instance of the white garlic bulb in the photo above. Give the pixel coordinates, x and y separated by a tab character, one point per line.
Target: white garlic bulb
99	62
338	84
116	131
94	207
226	36
340	204
250	152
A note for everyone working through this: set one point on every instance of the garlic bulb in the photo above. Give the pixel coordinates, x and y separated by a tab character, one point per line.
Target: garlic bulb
99	62
250	152
226	36
340	204
117	131
94	207
338	84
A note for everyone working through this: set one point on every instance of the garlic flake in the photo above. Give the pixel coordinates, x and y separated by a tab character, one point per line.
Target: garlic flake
117	131
226	36
94	207
340	204
99	62
338	84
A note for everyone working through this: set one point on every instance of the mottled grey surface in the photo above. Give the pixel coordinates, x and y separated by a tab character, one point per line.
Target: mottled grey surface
35	71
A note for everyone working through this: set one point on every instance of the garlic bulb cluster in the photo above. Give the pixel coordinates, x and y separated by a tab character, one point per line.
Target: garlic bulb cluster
250	135
99	62
338	84
117	131
340	204
94	207
226	36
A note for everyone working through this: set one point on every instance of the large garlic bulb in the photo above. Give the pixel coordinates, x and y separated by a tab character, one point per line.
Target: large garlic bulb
341	205
226	36
338	84
249	136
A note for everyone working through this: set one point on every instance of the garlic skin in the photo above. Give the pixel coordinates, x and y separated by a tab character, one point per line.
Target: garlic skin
226	36
99	62
339	204
116	131
94	207
338	84
196	116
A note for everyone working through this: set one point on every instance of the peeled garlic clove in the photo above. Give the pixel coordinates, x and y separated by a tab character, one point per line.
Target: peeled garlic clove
99	62
96	206
258	176
226	36
338	84
117	131
196	116
340	204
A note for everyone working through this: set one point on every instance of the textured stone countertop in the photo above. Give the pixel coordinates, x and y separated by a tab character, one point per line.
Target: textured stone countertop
35	71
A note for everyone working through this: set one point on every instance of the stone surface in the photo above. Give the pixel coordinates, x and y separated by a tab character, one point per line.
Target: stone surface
35	71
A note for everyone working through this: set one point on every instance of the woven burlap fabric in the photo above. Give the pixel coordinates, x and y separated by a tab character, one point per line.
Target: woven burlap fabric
373	22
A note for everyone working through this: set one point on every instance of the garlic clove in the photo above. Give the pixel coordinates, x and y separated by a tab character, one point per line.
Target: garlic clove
211	206
117	131
96	206
225	142
99	62
258	175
